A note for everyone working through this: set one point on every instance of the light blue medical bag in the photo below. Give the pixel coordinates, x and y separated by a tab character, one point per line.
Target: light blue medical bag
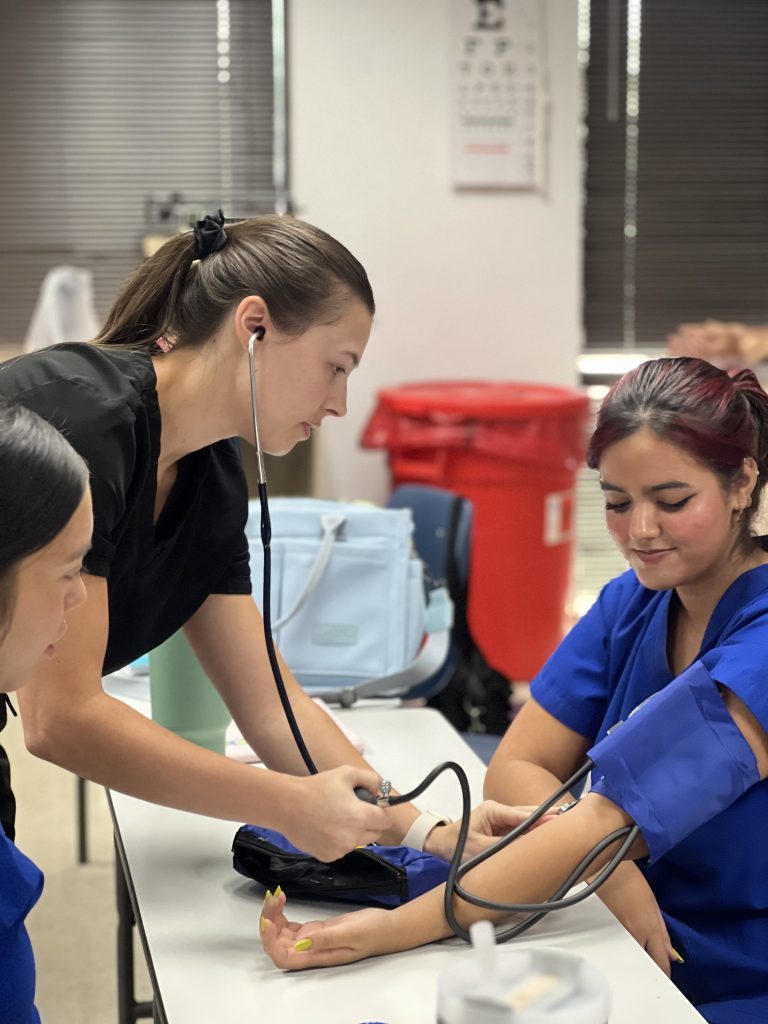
350	610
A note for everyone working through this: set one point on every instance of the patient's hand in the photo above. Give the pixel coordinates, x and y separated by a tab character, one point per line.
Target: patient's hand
628	895
329	943
373	932
487	823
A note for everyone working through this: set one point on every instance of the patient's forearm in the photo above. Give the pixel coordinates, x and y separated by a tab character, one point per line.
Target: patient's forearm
528	871
521	783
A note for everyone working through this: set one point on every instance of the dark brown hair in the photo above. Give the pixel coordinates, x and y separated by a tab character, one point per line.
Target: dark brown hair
42	481
303	274
718	419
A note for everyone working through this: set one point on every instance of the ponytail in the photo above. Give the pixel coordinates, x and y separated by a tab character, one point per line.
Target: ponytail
143	309
303	274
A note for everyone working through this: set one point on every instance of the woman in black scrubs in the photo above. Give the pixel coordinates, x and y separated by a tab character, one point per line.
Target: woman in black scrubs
154	406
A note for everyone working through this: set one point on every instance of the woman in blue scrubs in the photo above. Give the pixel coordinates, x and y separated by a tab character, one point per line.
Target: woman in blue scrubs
45	531
682	451
696	593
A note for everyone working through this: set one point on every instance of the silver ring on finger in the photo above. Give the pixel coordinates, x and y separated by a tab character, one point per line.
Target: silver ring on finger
385	788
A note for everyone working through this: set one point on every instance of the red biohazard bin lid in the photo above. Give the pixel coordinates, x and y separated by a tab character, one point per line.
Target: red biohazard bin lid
535	423
482	400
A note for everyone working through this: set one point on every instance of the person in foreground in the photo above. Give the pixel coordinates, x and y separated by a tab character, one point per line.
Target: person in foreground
45	531
682	453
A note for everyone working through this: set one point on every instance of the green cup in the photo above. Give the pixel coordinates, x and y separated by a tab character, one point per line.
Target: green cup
183	698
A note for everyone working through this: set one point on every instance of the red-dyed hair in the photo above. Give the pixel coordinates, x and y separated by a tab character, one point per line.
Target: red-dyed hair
718	419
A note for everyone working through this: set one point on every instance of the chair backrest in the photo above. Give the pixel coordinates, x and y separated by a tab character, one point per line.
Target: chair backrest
442	532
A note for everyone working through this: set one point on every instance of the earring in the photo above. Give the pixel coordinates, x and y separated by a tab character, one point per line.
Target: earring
165	343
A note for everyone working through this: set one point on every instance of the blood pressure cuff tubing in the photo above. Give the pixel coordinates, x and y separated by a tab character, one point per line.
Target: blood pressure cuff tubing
678	760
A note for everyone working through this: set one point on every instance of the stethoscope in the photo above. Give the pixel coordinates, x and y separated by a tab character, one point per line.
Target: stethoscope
535	911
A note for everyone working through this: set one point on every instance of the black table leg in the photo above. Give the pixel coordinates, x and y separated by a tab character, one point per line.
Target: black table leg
128	917
128	1009
82	833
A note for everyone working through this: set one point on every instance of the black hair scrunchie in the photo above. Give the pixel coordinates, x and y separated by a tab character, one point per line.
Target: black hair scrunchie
210	235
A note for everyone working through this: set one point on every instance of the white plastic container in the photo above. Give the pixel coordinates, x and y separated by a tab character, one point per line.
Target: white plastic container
534	986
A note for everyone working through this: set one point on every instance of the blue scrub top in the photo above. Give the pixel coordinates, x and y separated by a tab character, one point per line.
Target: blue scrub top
713	886
21	883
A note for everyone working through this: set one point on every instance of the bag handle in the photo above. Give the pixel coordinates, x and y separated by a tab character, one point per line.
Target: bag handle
331	525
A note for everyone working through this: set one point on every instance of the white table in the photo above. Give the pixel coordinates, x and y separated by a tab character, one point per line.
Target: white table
200	920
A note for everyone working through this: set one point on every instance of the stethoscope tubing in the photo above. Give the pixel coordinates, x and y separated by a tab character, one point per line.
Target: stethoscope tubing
266	543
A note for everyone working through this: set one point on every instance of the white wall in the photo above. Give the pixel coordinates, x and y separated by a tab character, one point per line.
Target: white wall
468	285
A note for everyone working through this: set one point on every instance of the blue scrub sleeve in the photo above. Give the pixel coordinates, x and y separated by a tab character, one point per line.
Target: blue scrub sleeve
678	760
574	683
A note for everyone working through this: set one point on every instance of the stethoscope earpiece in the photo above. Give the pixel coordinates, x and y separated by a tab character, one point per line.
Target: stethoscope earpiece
257	335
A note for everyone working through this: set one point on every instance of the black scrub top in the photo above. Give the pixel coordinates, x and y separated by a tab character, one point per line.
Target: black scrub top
104	401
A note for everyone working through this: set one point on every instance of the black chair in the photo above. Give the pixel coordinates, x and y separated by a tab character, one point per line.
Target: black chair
443	538
442	532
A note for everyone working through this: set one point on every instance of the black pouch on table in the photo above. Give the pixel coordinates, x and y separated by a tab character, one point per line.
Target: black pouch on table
384	876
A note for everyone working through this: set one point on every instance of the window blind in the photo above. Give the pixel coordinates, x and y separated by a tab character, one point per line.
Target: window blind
109	102
676	216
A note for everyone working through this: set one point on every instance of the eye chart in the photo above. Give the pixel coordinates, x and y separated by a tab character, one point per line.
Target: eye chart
498	101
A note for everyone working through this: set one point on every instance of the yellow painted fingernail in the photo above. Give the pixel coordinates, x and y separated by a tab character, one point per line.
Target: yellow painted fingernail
263	924
679	958
278	890
303	945
269	894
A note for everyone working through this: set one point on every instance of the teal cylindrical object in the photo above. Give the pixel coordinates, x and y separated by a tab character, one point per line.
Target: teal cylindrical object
183	698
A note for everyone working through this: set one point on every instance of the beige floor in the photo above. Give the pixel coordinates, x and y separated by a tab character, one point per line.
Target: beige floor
73	927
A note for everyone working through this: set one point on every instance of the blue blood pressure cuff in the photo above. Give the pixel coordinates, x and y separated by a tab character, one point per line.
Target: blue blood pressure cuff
678	760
